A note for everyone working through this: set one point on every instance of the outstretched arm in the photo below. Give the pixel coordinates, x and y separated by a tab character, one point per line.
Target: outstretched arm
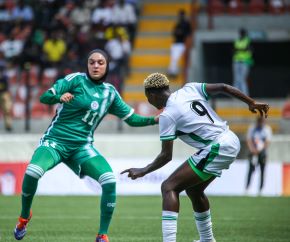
213	89
137	120
163	158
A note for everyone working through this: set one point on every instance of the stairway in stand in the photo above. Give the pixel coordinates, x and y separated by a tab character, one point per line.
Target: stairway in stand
152	45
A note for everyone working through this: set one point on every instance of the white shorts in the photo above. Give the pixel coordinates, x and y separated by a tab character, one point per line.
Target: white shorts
218	155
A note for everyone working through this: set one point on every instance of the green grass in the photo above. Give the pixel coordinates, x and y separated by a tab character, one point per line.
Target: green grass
74	218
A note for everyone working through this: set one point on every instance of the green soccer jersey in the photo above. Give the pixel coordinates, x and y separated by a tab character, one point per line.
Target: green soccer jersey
77	120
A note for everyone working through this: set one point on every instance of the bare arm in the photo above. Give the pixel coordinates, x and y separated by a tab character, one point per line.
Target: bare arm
213	89
251	147
163	158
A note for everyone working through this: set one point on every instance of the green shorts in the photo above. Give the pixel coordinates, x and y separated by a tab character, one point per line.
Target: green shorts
73	155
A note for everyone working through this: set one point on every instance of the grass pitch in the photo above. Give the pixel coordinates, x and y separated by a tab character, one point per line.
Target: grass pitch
136	219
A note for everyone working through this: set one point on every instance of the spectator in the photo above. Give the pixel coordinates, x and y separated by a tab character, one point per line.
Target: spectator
124	15
5	97
5	19
102	18
91	4
136	5
81	16
103	14
44	13
71	65
12	48
181	31
54	49
118	49
21	31
63	16
22	12
83	42
32	48
242	61
258	140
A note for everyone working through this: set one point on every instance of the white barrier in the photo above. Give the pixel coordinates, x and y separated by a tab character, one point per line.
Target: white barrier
62	181
125	151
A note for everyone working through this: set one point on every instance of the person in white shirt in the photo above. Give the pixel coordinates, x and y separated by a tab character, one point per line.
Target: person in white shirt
258	139
187	114
124	15
12	48
180	33
103	14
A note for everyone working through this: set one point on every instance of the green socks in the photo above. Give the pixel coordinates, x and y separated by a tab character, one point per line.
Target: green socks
108	203
29	187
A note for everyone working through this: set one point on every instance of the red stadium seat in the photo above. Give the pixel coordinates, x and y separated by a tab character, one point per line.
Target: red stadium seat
48	77
256	7
18	109
39	110
9	4
12	76
235	7
215	7
276	7
33	75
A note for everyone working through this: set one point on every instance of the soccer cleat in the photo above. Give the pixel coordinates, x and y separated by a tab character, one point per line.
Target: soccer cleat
102	238
20	229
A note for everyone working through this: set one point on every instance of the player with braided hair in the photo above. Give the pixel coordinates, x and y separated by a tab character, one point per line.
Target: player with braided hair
188	115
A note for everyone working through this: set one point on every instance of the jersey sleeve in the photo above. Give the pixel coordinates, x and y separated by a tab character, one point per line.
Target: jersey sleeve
167	127
199	88
119	108
66	84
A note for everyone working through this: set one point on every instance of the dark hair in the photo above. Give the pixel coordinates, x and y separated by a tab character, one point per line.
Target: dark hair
157	90
103	53
243	32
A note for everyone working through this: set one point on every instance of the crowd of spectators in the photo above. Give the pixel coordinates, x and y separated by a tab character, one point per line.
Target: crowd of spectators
52	37
45	32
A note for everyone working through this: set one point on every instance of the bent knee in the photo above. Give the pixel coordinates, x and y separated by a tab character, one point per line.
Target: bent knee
167	186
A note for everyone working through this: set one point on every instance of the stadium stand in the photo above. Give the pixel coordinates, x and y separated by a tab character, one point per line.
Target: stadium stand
256	7
216	7
236	7
150	46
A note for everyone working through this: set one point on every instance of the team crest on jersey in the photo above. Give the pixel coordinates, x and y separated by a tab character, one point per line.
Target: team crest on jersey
94	105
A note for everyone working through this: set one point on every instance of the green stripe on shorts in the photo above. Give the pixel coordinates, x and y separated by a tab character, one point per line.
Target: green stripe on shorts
203	175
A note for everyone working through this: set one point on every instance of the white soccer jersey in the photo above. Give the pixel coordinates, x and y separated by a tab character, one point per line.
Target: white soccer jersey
189	116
